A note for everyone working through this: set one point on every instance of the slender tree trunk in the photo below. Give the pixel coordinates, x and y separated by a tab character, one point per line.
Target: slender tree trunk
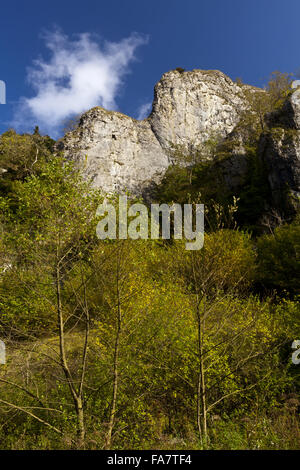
77	398
115	369
80	423
203	383
115	392
199	382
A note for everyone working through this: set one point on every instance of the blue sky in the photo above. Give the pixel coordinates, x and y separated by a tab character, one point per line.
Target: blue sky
126	45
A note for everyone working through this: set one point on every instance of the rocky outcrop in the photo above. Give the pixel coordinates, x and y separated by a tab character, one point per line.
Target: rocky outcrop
120	153
288	116
117	152
190	107
279	150
295	108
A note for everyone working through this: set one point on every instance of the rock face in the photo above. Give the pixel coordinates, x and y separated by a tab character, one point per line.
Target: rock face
289	115
295	107
120	153
117	152
280	151
190	107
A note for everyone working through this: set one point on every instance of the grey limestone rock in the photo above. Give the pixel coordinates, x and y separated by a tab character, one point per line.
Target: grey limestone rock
121	154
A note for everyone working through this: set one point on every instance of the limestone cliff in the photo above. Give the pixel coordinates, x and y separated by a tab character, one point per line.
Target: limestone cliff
280	151
117	152
120	153
190	107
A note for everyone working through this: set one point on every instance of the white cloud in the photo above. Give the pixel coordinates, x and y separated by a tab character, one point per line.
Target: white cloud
80	74
144	111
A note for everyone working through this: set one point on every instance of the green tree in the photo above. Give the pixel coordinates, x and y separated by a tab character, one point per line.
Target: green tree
22	156
279	258
49	233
